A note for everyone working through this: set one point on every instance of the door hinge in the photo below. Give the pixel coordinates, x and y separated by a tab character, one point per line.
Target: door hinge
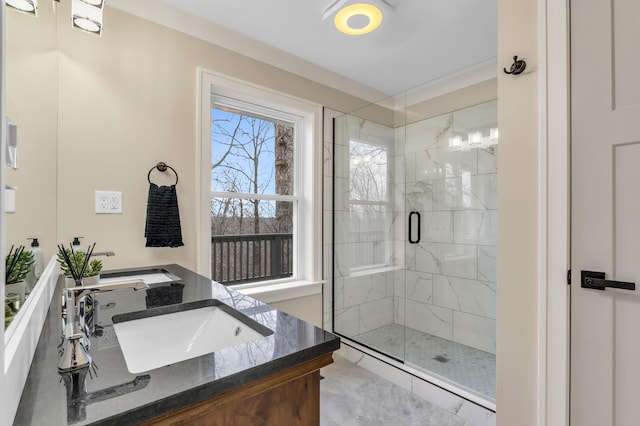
569	277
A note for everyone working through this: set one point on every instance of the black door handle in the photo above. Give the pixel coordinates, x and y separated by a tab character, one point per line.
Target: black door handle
417	240
596	281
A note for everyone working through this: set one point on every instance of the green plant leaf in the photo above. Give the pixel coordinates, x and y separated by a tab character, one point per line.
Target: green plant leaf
77	260
21	268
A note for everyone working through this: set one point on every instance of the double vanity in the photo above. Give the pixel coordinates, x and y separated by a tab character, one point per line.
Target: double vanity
185	350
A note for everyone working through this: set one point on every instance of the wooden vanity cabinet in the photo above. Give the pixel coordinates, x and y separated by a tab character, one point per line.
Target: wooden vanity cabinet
290	397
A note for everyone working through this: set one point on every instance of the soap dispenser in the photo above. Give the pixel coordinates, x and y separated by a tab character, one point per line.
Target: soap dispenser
76	244
38	263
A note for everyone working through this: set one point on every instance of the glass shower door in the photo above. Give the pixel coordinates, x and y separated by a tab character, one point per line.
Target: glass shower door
415	239
366	258
450	300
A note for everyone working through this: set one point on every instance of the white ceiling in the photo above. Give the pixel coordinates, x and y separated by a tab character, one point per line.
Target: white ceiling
418	42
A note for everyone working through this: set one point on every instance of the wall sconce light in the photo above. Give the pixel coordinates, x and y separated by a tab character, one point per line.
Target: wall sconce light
493	136
27	6
87	15
455	143
475	139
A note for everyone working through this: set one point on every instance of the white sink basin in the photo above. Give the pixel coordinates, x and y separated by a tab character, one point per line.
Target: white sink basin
166	335
150	276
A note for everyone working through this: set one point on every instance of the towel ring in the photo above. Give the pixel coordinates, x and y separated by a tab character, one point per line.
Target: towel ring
162	167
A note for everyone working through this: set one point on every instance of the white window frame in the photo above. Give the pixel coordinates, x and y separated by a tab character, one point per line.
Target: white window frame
298	207
308	273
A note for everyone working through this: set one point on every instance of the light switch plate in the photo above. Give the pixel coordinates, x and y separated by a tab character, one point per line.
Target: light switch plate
108	202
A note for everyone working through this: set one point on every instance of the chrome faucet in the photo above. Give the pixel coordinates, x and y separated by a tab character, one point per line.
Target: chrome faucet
103	253
76	332
78	397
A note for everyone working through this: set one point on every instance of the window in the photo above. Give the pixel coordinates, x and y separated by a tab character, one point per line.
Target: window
254	192
260	182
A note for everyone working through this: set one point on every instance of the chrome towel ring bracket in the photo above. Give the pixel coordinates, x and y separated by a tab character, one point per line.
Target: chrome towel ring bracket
162	167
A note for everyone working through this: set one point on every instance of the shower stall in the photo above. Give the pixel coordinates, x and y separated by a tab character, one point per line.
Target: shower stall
415	239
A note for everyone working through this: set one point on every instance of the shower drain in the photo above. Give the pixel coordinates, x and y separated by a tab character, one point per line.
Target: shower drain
441	358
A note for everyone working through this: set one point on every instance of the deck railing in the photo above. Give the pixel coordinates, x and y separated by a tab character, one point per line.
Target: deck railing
245	258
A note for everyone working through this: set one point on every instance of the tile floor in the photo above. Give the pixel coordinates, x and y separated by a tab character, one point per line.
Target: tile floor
351	395
464	365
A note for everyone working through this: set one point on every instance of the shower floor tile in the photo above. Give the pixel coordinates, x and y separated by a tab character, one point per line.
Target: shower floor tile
464	365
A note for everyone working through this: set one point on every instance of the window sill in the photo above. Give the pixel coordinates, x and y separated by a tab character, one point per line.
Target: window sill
278	292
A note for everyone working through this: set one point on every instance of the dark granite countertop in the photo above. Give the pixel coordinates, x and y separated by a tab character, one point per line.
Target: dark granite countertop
110	395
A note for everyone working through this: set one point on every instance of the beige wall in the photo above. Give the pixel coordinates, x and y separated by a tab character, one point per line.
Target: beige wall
127	101
517	355
308	308
383	112
453	101
31	102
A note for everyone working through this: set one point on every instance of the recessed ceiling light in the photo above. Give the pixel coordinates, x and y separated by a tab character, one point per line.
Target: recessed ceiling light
348	19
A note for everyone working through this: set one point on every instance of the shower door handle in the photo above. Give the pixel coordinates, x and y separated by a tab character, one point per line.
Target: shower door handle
417	240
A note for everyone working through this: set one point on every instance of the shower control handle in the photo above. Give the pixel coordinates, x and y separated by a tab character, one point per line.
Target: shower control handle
417	240
596	281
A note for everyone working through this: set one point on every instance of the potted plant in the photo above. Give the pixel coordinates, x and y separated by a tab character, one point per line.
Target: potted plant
92	274
76	261
17	266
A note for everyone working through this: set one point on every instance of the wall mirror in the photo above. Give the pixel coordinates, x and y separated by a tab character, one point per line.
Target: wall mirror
31	105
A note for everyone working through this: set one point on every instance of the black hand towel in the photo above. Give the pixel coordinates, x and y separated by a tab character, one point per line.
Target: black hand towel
163	218
163	296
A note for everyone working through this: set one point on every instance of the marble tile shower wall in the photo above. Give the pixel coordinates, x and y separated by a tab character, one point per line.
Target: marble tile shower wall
364	258
449	286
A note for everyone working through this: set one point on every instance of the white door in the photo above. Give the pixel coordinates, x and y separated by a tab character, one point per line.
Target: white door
605	324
